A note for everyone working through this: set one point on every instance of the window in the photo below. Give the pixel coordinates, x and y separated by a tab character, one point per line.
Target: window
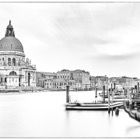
13	73
14	61
9	61
5	79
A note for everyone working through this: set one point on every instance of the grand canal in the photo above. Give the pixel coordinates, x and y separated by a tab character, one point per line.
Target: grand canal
43	114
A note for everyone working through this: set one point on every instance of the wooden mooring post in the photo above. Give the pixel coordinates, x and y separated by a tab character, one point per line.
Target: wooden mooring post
96	93
124	92
136	93
67	94
132	93
108	100
112	97
114	86
138	88
103	94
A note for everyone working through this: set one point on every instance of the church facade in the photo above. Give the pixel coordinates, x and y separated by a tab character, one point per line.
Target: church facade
15	70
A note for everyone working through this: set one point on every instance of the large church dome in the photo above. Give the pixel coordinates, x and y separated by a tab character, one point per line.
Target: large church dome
10	42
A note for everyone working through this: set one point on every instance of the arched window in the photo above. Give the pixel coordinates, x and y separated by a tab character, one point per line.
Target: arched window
29	77
9	61
1	79
14	61
13	73
5	79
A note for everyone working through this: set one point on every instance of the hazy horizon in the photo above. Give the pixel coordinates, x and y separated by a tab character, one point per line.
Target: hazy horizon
101	38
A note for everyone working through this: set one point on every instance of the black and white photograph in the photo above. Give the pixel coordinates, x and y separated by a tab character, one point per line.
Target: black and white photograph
69	69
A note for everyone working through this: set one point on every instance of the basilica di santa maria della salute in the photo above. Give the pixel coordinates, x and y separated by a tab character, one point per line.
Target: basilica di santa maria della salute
15	71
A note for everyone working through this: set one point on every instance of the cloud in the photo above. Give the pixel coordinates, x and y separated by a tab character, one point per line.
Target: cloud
124	57
76	35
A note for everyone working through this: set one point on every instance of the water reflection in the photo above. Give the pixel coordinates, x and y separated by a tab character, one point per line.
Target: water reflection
132	128
44	115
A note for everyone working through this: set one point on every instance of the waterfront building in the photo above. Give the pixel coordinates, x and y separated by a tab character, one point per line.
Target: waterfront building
64	74
125	82
128	82
43	77
100	81
55	84
114	79
92	82
60	81
59	84
78	85
15	70
74	85
49	75
83	77
40	78
49	83
117	80
135	81
77	79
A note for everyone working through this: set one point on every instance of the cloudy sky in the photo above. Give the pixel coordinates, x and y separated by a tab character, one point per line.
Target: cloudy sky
102	38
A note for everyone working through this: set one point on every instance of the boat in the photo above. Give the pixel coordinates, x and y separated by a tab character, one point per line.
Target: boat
133	113
92	106
116	96
8	90
120	100
101	94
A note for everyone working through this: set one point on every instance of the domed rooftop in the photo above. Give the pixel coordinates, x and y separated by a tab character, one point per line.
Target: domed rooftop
10	42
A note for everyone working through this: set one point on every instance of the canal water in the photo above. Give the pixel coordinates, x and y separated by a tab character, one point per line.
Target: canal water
43	114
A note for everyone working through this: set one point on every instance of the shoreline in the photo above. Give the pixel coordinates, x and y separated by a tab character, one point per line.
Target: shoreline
41	91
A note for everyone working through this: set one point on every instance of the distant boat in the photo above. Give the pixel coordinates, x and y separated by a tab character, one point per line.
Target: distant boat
8	90
119	97
101	94
116	96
